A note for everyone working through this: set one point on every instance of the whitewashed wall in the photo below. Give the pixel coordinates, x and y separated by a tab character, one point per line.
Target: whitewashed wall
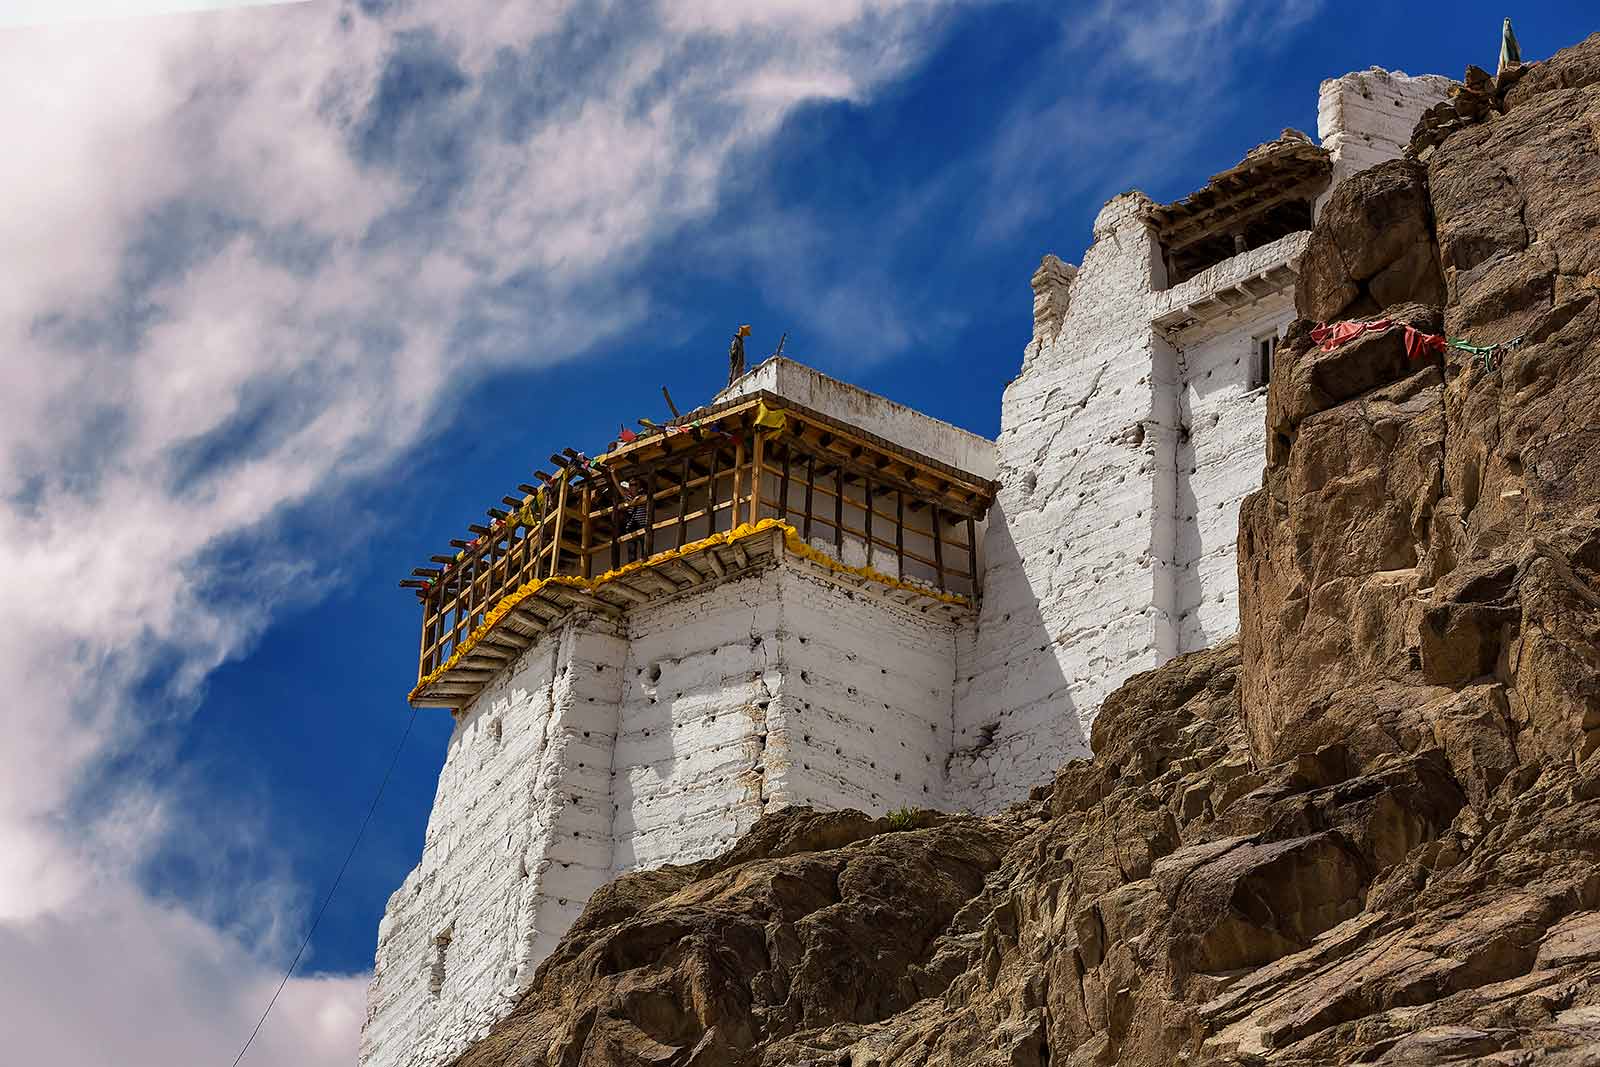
904	426
862	710
1366	117
1218	465
518	838
659	739
688	764
1081	523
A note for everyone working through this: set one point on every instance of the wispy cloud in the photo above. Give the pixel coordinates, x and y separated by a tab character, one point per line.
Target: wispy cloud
47	12
1139	83
247	256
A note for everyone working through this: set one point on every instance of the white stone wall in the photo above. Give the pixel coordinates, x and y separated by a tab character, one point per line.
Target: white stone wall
1081	527
608	747
1366	117
904	426
1219	464
698	681
518	838
861	714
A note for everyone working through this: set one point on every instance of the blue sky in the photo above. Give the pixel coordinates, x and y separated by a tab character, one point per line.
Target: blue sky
299	291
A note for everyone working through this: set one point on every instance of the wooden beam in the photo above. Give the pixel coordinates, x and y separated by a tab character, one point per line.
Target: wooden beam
755	477
578	596
683	506
716	562
972	555
838	512
628	592
811	482
739	554
899	533
586	536
681	567
462	674
1187	235
509	639
783	487
649	515
734	517
539	623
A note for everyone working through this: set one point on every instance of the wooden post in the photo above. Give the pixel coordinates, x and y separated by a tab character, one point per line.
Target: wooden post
683	505
866	491
560	527
738	470
649	515
755	479
783	488
972	554
616	530
494	555
711	491
899	533
584	537
938	544
838	512
428	625
811	481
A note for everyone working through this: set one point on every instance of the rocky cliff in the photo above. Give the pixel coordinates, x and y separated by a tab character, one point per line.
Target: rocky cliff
1366	832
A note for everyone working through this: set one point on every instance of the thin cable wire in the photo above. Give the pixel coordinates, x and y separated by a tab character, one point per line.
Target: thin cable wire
393	762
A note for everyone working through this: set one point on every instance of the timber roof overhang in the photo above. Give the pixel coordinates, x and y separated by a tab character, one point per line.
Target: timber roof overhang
856	451
1261	198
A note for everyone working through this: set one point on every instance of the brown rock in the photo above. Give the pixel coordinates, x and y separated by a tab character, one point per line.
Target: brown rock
1372	247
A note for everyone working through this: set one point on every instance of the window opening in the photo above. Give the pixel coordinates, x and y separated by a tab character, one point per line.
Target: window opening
1261	363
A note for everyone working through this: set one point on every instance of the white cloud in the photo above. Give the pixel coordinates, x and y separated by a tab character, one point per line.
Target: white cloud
46	12
207	230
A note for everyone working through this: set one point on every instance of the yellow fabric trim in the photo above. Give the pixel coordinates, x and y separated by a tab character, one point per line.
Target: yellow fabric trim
774	419
791	540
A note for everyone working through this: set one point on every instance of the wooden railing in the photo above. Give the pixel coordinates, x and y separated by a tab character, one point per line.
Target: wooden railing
853	496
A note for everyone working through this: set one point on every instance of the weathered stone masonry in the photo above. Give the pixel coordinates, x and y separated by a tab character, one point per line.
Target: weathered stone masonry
1127	440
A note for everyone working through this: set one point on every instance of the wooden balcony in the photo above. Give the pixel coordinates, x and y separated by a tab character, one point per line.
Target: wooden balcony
718	493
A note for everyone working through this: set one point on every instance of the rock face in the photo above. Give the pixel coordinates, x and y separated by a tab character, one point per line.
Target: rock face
1367	832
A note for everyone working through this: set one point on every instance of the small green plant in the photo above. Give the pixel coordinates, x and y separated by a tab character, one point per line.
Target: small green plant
903	819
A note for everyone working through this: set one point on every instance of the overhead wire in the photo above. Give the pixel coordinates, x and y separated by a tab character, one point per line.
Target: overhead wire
356	844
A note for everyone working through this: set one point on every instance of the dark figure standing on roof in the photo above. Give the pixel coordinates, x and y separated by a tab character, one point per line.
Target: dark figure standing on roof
634	517
736	354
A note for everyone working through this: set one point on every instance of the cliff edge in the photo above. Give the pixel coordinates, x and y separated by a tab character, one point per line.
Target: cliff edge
1366	832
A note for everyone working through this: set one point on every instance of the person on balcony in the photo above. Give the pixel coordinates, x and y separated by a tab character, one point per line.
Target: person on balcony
634	517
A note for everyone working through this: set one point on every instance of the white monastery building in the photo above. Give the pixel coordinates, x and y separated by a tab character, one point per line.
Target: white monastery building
804	593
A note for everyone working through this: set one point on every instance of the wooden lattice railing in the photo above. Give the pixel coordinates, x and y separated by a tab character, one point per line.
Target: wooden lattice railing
862	499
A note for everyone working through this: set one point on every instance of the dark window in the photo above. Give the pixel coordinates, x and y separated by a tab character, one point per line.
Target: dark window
1261	363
